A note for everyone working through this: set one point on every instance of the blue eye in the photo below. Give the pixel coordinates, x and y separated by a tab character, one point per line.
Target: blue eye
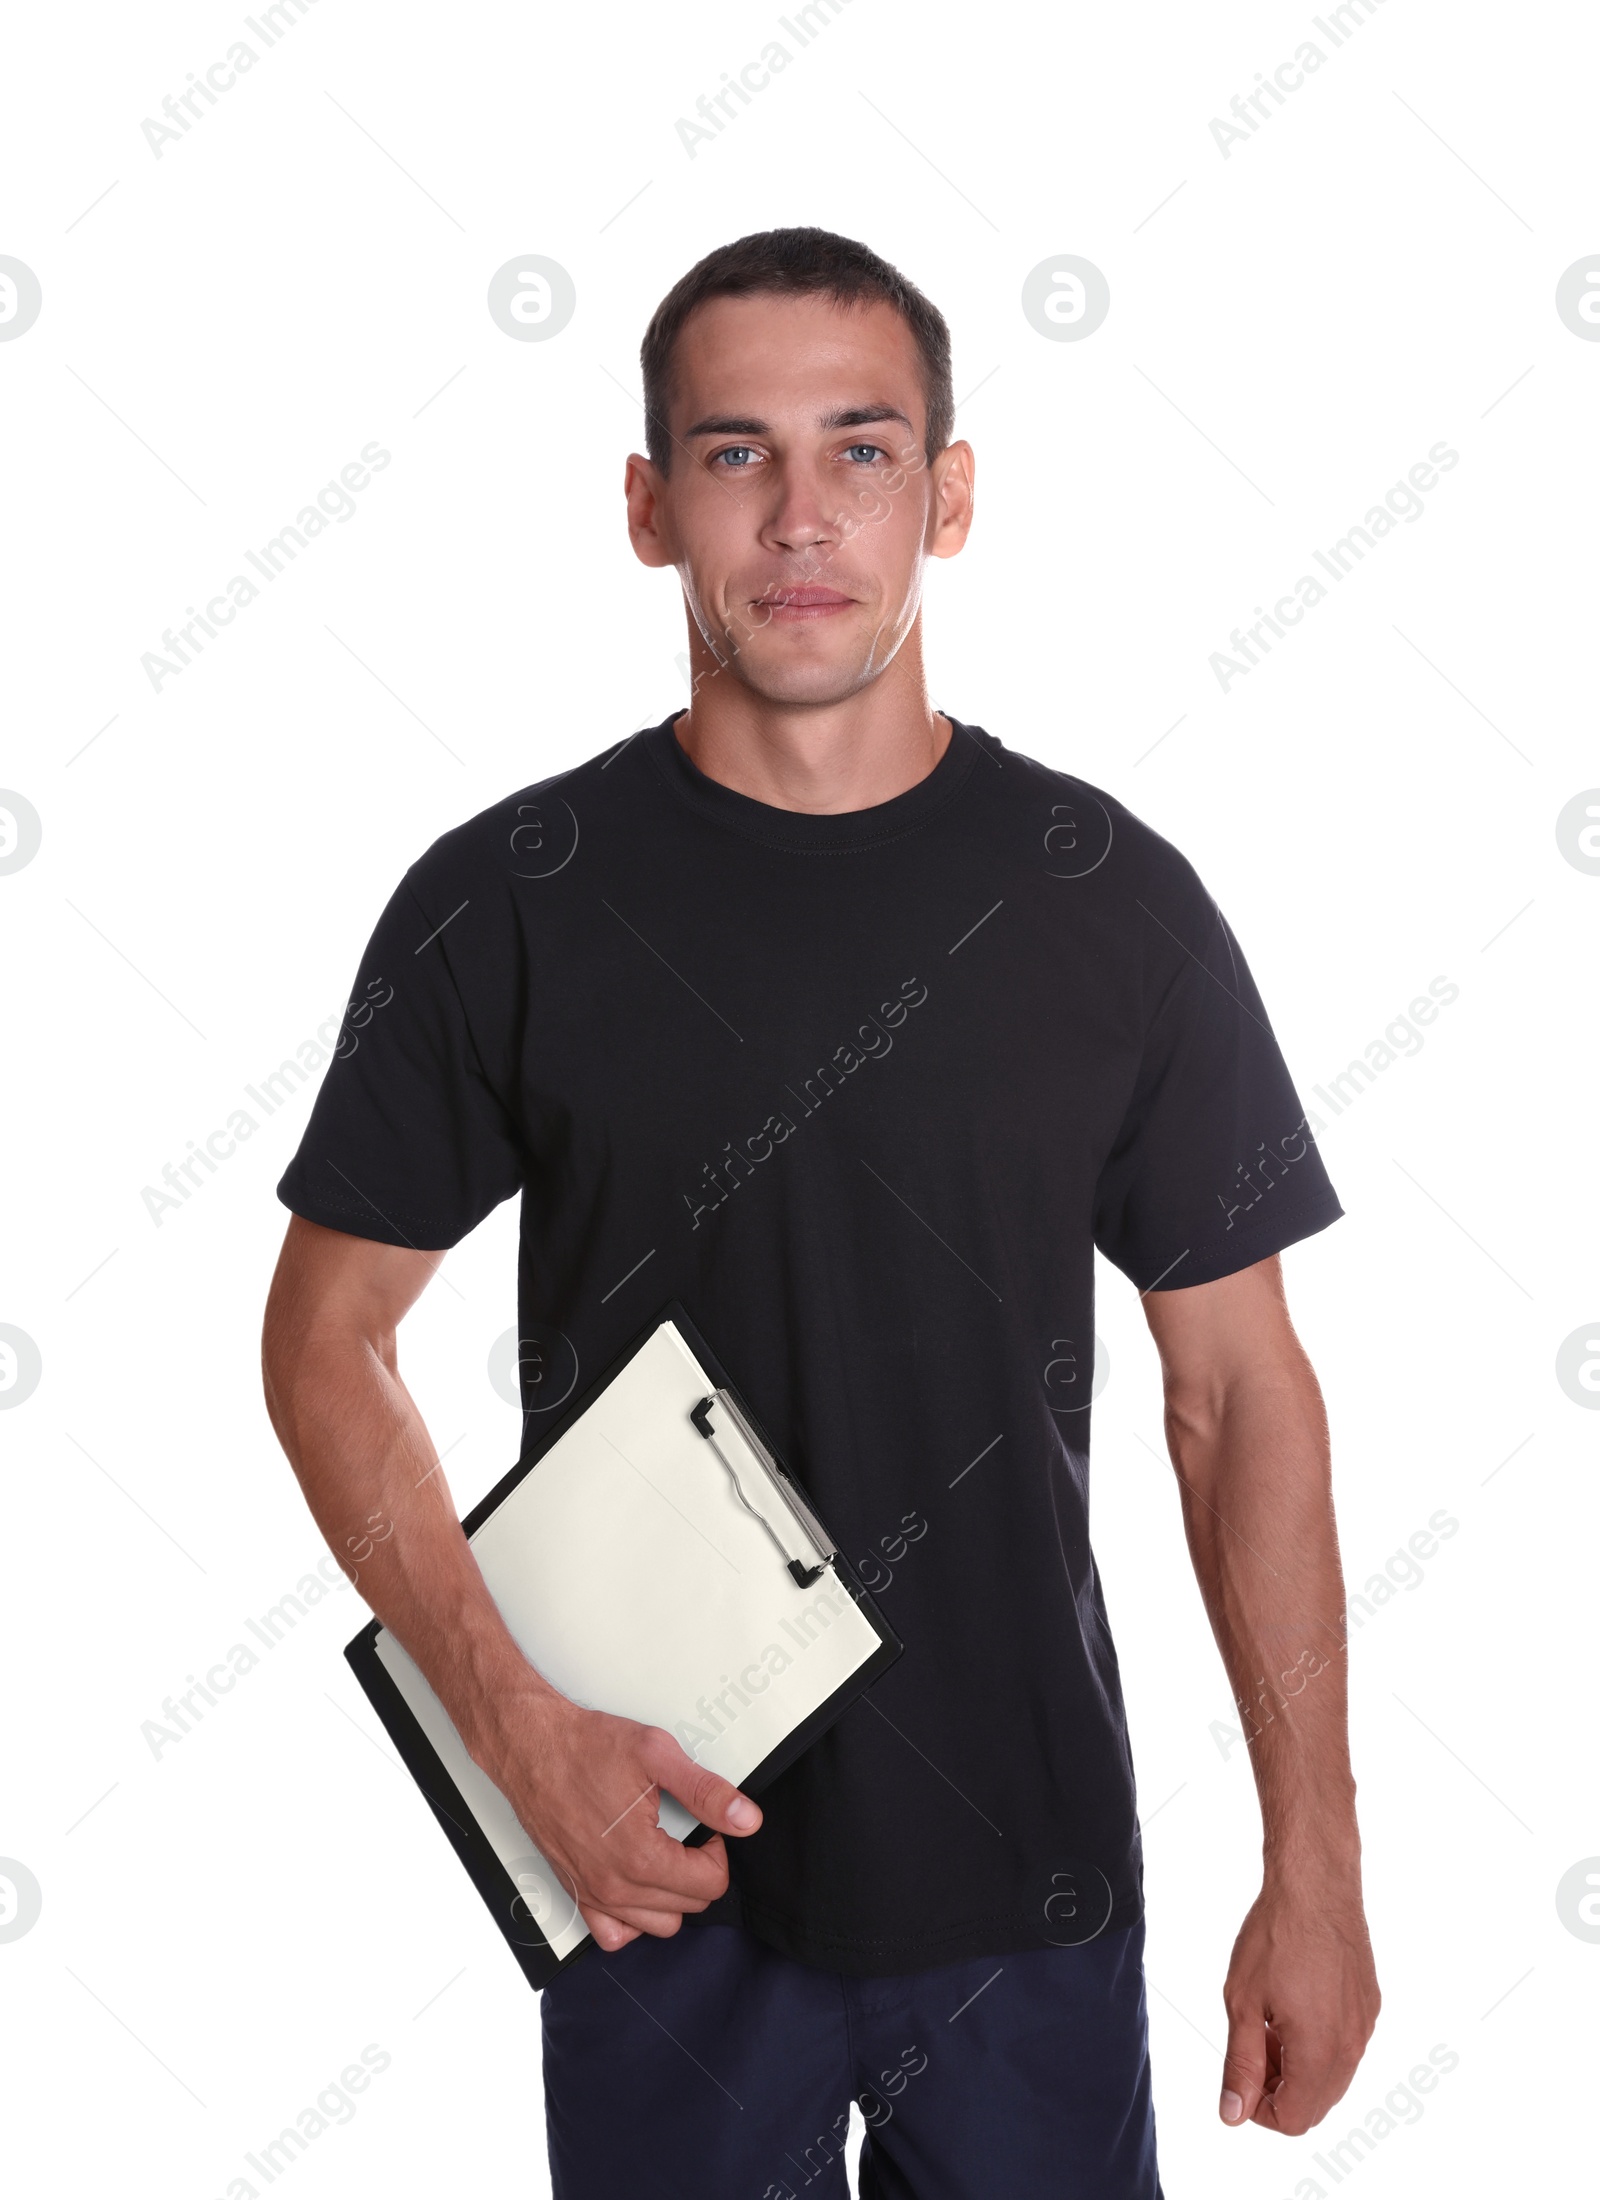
867	450
739	455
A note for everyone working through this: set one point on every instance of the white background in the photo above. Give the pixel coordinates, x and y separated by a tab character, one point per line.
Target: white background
1371	272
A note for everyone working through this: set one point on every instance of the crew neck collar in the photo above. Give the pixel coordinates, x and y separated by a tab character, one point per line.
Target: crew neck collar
801	829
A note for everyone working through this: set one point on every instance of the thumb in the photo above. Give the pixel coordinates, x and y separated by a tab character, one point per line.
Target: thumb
716	1802
1244	2067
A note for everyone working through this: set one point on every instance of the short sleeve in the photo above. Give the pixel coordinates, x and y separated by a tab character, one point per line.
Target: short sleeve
407	1142
1214	1166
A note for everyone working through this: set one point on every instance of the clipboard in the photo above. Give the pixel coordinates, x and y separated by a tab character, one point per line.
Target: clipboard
652	1557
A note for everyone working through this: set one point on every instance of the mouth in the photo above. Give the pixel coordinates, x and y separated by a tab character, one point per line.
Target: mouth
791	604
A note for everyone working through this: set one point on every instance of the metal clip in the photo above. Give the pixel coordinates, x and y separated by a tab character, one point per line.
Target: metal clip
795	1507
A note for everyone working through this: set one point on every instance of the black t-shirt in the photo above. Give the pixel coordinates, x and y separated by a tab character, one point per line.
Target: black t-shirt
864	1092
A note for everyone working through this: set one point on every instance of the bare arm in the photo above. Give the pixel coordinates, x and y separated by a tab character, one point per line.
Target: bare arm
1248	1436
586	1785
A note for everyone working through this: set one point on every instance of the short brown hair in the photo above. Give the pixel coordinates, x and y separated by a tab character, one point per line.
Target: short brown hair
798	263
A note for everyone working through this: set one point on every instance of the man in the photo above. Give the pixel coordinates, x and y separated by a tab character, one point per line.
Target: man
857	1031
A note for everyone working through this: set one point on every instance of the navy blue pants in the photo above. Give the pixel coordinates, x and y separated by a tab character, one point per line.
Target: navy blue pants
709	2067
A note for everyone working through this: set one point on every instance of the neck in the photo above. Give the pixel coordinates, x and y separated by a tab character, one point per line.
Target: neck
821	757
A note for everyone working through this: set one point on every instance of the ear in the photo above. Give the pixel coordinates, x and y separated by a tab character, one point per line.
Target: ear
646	493
951	479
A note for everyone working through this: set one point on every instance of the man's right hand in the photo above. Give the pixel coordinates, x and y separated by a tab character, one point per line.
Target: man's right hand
587	1786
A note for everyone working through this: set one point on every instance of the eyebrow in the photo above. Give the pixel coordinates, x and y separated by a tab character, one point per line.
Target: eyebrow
850	416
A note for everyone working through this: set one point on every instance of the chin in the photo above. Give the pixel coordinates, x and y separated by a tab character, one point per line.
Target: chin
799	682
813	684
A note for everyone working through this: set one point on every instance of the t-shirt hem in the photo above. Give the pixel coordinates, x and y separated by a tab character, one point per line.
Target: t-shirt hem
1003	1933
359	1218
1287	1226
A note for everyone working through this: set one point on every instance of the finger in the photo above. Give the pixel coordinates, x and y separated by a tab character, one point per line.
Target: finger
716	1802
619	1930
619	1911
1268	2108
659	1924
650	1870
633	1898
1244	2067
613	1929
1315	2074
609	1932
622	1920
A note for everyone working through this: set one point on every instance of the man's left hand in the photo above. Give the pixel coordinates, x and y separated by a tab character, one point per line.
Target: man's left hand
1302	1999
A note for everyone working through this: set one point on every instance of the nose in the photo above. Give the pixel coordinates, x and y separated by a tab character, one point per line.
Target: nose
800	523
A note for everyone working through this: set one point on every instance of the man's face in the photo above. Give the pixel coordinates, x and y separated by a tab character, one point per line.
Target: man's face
799	510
